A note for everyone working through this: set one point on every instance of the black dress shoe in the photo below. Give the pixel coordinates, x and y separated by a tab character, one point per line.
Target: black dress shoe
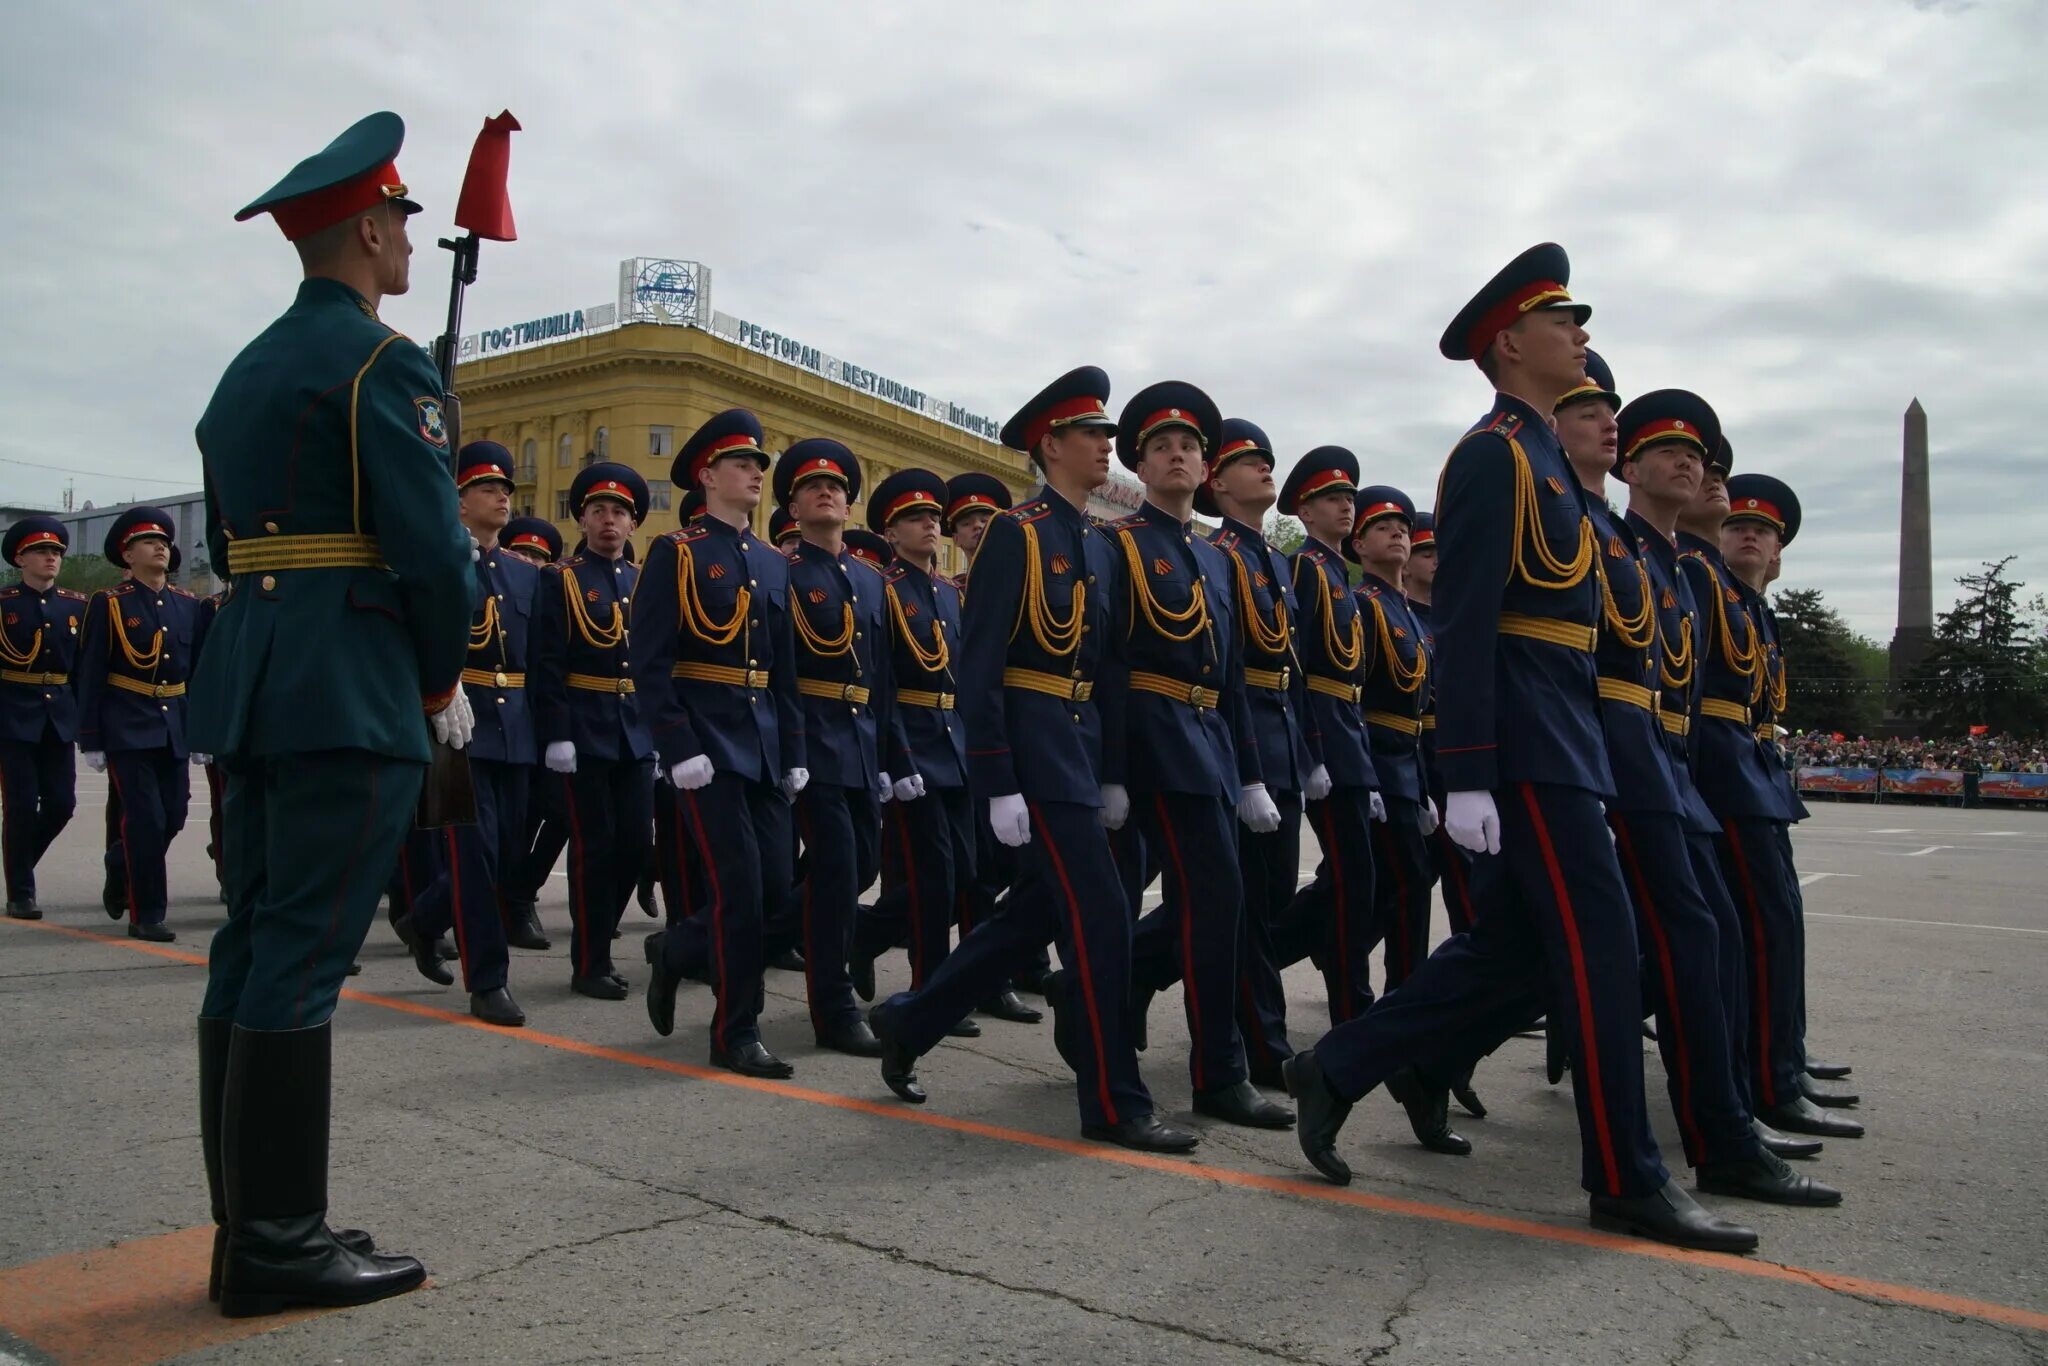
1008	1005
1784	1145
661	989
620	978
752	1059
113	899
1827	1071
899	1064
496	1007
155	934
964	1028
355	969
789	960
1147	1135
1141	1007
445	950
1241	1103
1429	1112
605	987
1801	1116
861	968
1031	979
1764	1177
1064	1024
1467	1098
643	896
423	956
1670	1216
1821	1095
1323	1113
853	1038
1557	1050
24	908
525	932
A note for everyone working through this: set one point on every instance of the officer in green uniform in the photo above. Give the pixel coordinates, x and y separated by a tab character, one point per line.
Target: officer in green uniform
337	654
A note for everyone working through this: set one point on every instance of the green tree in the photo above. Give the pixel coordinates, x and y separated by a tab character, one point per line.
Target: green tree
1985	667
1833	675
88	573
1284	534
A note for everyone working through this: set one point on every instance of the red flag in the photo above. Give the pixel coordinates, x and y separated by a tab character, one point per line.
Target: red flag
1980	730
484	207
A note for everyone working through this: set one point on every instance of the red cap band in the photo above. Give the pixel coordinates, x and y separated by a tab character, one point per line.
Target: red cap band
538	542
967	502
478	472
609	488
306	215
1379	510
915	498
1421	537
726	445
819	468
1758	508
144	529
1322	481
1169	417
39	538
1242	446
1504	314
1665	429
1061	414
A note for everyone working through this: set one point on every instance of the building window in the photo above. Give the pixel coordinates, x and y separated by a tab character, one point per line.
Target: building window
562	506
661	441
529	460
658	495
527	510
565	452
602	447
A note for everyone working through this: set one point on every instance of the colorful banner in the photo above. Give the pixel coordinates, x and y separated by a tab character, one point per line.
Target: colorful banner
1856	781
2014	787
1924	782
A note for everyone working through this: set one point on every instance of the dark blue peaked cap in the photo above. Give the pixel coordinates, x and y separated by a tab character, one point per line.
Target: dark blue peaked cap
1598	383
1534	280
1157	407
1078	398
1760	498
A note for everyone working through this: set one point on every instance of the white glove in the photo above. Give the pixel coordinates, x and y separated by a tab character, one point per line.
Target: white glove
1116	805
201	760
1317	786
1473	822
691	774
1378	807
561	757
1429	818
795	781
885	791
94	760
456	722
911	788
476	552
1255	807
1010	818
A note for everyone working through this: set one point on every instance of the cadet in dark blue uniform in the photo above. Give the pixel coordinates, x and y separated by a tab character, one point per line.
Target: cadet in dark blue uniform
842	678
39	626
135	654
1042	698
1450	865
473	859
1396	689
1688	941
535	540
714	646
783	530
1331	918
1520	745
1191	762
594	741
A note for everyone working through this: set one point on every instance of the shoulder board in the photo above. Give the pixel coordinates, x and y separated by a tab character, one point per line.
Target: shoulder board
1223	539
15	590
892	573
571	562
1504	424
125	586
71	593
1368	590
789	555
1122	523
1027	512
686	534
183	594
1313	554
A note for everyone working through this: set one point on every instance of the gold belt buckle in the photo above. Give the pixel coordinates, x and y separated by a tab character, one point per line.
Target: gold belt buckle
158	691
500	679
846	691
1199	696
1286	677
757	678
622	686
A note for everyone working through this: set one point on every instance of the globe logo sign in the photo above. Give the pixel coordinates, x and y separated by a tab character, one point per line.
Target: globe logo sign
665	291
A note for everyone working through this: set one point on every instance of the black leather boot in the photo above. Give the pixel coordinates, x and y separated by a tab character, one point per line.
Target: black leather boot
274	1122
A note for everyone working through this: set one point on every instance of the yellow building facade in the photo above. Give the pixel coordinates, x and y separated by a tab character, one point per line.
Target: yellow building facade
635	393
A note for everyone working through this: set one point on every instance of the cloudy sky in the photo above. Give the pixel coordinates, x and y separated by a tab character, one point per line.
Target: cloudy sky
1808	212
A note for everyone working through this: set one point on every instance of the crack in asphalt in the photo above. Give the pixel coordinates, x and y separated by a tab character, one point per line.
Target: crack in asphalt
1401	1310
1694	1337
572	1244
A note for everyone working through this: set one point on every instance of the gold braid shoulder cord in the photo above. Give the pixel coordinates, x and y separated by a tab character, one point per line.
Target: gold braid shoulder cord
818	645
147	663
1561	574
1635	632
1675	670
1277	639
14	657
1746	662
1347	656
935	660
1164	623
690	610
1404	678
598	637
1057	638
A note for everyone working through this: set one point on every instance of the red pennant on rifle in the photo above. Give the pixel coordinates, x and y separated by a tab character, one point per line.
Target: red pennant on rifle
484	207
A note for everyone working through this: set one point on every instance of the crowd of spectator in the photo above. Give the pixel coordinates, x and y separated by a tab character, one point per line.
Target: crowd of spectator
1962	753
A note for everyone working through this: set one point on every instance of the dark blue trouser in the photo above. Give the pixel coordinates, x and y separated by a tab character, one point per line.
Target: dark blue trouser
1799	923
1067	890
546	835
1452	868
607	805
308	839
1557	928
739	835
155	789
682	885
995	874
418	861
1196	926
1766	892
928	862
1400	888
1680	936
38	794
1331	919
465	891
1732	974
834	823
1270	865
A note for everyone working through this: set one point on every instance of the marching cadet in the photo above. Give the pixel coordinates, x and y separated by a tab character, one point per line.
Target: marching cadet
1691	952
1330	919
1449	865
782	529
534	540
473	858
39	626
1520	745
672	869
1191	763
1395	692
869	548
1042	699
714	646
594	738
135	654
842	657
338	653
540	840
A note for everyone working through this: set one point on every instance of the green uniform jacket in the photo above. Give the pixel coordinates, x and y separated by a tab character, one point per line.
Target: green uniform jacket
330	424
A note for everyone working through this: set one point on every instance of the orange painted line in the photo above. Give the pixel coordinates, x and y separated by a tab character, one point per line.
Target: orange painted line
138	1301
1295	1187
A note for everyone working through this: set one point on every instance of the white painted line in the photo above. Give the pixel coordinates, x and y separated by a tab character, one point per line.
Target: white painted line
1808	879
1892	830
1938	924
1918	853
2001	834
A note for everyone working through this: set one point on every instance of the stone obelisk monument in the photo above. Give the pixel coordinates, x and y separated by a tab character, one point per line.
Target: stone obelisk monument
1914	636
